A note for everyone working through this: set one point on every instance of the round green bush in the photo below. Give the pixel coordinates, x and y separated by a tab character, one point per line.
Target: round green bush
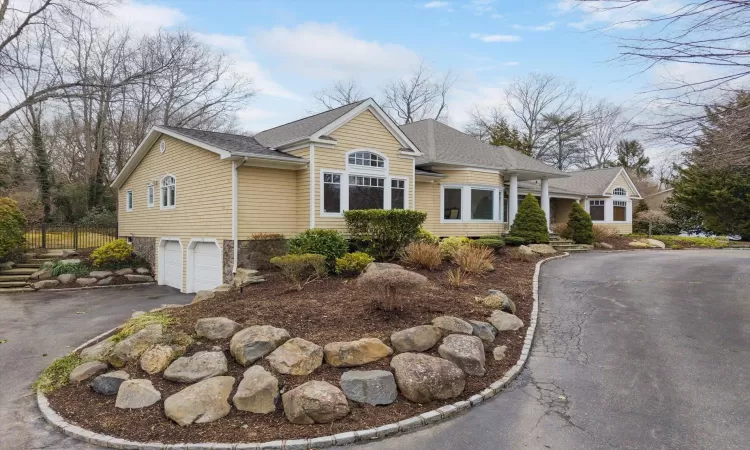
112	254
12	228
580	225
426	236
514	241
530	222
490	242
319	241
449	245
353	263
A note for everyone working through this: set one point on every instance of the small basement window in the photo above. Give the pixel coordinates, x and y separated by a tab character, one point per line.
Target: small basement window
619	211
596	209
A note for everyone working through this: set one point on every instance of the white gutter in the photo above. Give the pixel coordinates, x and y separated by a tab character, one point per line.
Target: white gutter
312	186
235	213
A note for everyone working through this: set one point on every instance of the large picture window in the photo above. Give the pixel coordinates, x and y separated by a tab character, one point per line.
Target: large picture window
331	193
366	192
619	211
398	194
168	192
482	204
452	203
596	209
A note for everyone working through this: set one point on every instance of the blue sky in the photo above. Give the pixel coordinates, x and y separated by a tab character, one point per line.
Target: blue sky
294	48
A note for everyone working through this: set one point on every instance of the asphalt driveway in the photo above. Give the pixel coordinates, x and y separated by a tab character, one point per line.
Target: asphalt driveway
42	326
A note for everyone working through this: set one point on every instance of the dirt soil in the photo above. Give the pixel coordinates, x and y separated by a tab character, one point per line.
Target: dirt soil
327	310
620	242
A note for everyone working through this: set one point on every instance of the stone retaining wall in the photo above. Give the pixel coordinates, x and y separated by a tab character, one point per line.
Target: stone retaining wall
145	247
252	254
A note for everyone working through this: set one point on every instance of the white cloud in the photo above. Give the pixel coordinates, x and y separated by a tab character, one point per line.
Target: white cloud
144	18
545	27
495	37
480	7
607	14
327	51
511	63
438	5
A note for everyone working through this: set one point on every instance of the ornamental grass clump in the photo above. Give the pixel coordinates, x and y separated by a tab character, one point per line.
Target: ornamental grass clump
301	269
474	259
423	254
579	225
457	277
530	222
602	233
392	285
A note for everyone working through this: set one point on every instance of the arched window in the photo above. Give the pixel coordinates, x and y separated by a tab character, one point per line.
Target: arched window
366	159
619	191
168	192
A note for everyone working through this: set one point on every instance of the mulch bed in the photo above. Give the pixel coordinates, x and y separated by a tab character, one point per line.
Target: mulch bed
328	310
620	242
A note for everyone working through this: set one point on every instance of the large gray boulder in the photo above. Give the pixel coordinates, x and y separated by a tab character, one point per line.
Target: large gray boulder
197	367
86	370
416	339
245	277
253	343
125	271
104	281
422	378
99	274
467	352
374	387
452	325
296	357
525	250
216	327
503	321
66	278
484	331
202	402
258	391
45	284
132	347
157	358
542	249
134	394
315	402
98	352
42	274
355	353
86	281
203	295
139	278
376	266
109	383
70	261
497	299
142	271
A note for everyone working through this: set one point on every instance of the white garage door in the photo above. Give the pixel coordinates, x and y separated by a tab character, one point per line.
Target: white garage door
172	264
206	266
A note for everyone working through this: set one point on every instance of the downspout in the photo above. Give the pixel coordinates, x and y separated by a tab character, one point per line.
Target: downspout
235	214
312	185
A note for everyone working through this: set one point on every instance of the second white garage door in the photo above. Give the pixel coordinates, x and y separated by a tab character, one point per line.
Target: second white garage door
172	264
206	266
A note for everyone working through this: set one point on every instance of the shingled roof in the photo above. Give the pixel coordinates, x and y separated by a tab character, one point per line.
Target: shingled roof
582	182
233	143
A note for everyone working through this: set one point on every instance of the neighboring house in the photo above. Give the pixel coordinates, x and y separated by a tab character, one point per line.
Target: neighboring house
189	200
655	201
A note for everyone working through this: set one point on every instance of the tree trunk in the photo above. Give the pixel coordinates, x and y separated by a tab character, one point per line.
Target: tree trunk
41	161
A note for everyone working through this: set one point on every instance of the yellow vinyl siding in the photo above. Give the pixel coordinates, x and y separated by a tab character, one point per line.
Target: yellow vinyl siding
621	181
362	132
303	191
428	200
267	201
620	228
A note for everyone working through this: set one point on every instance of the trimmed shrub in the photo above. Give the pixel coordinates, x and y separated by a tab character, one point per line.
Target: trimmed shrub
112	254
392	284
12	228
490	236
579	223
329	243
449	245
495	244
515	241
353	263
300	269
79	270
267	236
423	254
474	259
530	222
426	236
385	233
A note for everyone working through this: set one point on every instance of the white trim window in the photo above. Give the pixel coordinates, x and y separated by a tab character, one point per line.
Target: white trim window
150	195
596	210
366	192
619	191
470	203
168	192
366	159
129	200
398	193
619	211
331	193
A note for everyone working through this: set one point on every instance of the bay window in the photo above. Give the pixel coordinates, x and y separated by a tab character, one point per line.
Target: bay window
596	209
619	211
471	203
482	204
452	203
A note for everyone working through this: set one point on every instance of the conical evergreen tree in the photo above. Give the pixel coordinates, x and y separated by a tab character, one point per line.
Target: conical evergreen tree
580	225
530	222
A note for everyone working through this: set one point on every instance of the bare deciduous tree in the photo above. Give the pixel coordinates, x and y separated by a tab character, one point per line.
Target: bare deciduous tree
342	92
606	125
420	96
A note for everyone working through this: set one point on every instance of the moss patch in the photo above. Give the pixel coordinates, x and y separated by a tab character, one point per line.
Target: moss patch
57	374
136	324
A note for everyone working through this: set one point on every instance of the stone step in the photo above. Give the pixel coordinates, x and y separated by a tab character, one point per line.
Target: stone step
27	266
22	271
37	261
12	284
576	250
17	289
14	277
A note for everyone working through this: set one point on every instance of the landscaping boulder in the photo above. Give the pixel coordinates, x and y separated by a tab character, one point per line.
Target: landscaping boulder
157	358
524	250
504	321
655	243
41	274
203	295
134	394
98	274
7	265
605	245
70	261
109	383
216	327
315	402
104	281
139	278
542	249
132	347
639	244
355	353
66	278
86	371
422	378
484	331
374	387
45	284
197	367
452	325
416	339
253	343
142	271
125	271
498	300
245	277
258	391
223	288
296	357
375	266
98	352
48	264
202	402
499	352
467	352
86	281
69	253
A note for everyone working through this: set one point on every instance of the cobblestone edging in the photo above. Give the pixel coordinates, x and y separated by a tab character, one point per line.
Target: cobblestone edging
350	437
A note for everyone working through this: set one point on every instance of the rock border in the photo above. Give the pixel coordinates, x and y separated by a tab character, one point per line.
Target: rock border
83	288
404	426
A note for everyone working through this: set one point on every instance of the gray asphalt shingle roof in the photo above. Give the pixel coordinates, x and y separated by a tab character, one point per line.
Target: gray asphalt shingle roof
443	144
233	143
584	182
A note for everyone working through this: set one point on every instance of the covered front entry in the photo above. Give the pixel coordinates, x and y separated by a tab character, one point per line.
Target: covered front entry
170	262
204	264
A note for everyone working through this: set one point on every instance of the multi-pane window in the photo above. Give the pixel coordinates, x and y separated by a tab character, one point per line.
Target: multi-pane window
366	159
596	209
129	200
482	204
398	194
619	211
452	203
619	191
168	192
331	193
366	192
150	195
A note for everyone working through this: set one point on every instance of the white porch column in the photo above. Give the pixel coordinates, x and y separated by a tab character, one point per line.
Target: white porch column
513	199
545	199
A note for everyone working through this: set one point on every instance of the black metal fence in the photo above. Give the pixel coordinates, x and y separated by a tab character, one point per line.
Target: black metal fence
68	235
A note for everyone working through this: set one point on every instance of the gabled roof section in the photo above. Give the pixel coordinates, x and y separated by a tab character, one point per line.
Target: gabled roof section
318	127
593	181
442	144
